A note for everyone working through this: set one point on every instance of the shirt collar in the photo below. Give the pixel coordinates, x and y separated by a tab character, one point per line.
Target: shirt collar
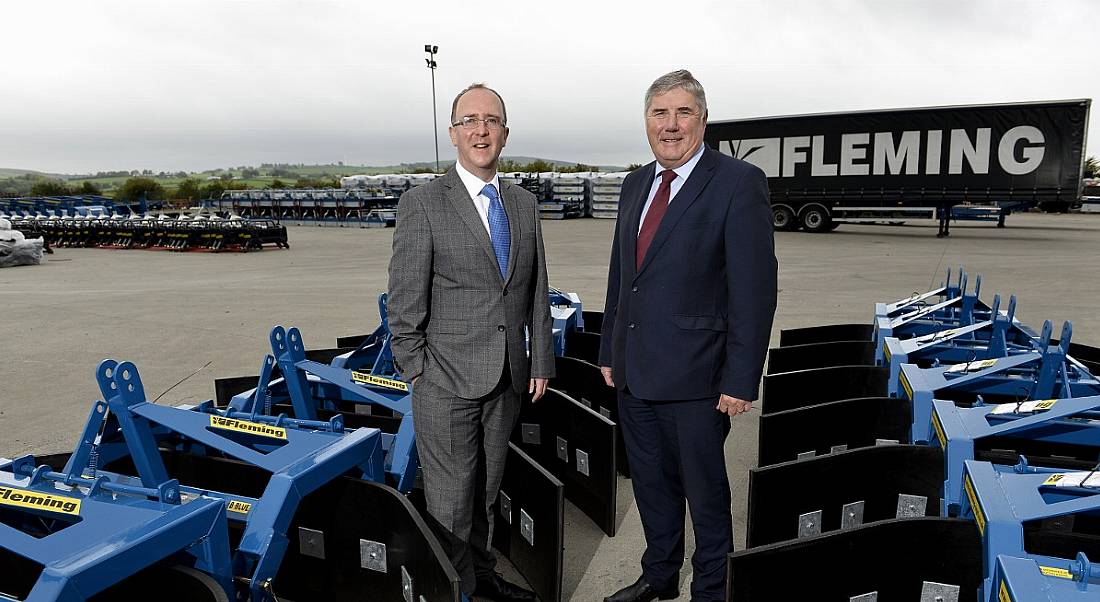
684	170
473	183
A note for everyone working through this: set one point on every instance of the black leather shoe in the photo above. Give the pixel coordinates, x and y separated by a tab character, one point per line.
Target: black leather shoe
642	592
496	588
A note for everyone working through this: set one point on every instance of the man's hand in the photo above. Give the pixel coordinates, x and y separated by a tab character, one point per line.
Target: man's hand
732	405
537	388
606	371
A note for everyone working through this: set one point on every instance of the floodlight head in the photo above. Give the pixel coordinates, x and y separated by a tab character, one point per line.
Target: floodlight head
435	49
427	47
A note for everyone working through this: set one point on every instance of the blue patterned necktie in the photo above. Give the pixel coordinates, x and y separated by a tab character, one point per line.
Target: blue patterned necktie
498	228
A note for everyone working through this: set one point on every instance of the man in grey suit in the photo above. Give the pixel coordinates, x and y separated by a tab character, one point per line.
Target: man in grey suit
467	286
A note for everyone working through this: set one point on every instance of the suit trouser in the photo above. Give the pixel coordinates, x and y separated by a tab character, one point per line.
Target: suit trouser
675	450
462	444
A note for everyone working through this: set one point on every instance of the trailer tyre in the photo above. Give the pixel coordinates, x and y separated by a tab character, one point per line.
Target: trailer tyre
816	218
783	219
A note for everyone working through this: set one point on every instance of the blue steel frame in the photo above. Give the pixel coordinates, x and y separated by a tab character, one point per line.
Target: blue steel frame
310	385
1023	580
1002	498
999	337
906	319
119	531
955	429
1043	373
305	456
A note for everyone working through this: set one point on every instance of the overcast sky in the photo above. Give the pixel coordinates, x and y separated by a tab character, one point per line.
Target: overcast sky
105	85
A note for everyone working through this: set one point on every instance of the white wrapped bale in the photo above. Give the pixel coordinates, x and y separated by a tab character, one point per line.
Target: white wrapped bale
21	252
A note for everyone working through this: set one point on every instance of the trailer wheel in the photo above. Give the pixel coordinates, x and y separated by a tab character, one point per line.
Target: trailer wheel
783	219
815	218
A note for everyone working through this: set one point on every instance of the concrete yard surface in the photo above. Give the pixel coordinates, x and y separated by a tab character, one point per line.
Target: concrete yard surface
193	317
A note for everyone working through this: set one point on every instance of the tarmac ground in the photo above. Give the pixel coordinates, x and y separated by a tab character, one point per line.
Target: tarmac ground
187	318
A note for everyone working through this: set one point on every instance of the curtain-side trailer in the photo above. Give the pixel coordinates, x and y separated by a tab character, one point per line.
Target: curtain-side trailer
903	164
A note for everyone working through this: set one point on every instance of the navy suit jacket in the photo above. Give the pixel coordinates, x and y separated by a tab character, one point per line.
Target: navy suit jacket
695	319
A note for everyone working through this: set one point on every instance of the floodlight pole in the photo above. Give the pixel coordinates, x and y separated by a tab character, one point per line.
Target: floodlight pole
432	50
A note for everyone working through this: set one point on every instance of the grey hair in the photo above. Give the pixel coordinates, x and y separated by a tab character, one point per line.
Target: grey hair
682	79
454	105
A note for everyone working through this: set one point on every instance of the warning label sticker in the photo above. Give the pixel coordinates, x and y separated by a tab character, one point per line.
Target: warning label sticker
1051	571
1085	478
369	379
971	366
1026	407
244	426
37	500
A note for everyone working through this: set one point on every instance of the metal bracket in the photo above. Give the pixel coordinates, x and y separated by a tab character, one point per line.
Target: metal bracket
506	507
868	597
372	555
851	515
838	448
886	441
527	527
911	506
406	585
606	413
807	454
311	542
531	433
809	524
582	462
931	591
586	403
563	450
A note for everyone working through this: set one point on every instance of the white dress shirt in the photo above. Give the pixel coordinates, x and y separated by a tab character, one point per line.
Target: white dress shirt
474	185
682	174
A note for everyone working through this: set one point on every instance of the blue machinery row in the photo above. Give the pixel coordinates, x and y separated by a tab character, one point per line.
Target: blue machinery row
944	451
281	489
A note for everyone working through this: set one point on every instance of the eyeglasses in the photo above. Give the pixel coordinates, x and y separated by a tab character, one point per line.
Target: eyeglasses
472	123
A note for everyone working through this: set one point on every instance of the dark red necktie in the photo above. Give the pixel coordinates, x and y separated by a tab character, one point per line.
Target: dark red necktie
653	217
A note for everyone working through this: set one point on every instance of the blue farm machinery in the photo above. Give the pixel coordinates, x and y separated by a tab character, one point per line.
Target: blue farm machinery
943	451
300	483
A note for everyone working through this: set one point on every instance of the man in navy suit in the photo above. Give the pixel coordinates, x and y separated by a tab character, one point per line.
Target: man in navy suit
691	294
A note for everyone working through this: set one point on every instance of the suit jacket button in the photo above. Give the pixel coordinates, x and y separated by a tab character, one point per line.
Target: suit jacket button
500	327
504	294
632	325
634	290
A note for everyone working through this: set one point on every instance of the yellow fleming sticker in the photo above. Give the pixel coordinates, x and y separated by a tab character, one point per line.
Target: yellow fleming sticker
1002	593
238	506
369	379
1045	405
970	495
244	426
1052	571
38	500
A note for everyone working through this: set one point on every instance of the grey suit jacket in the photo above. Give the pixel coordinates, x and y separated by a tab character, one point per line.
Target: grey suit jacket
452	315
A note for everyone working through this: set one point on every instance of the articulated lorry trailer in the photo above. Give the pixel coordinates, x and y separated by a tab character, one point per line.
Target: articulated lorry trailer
961	162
